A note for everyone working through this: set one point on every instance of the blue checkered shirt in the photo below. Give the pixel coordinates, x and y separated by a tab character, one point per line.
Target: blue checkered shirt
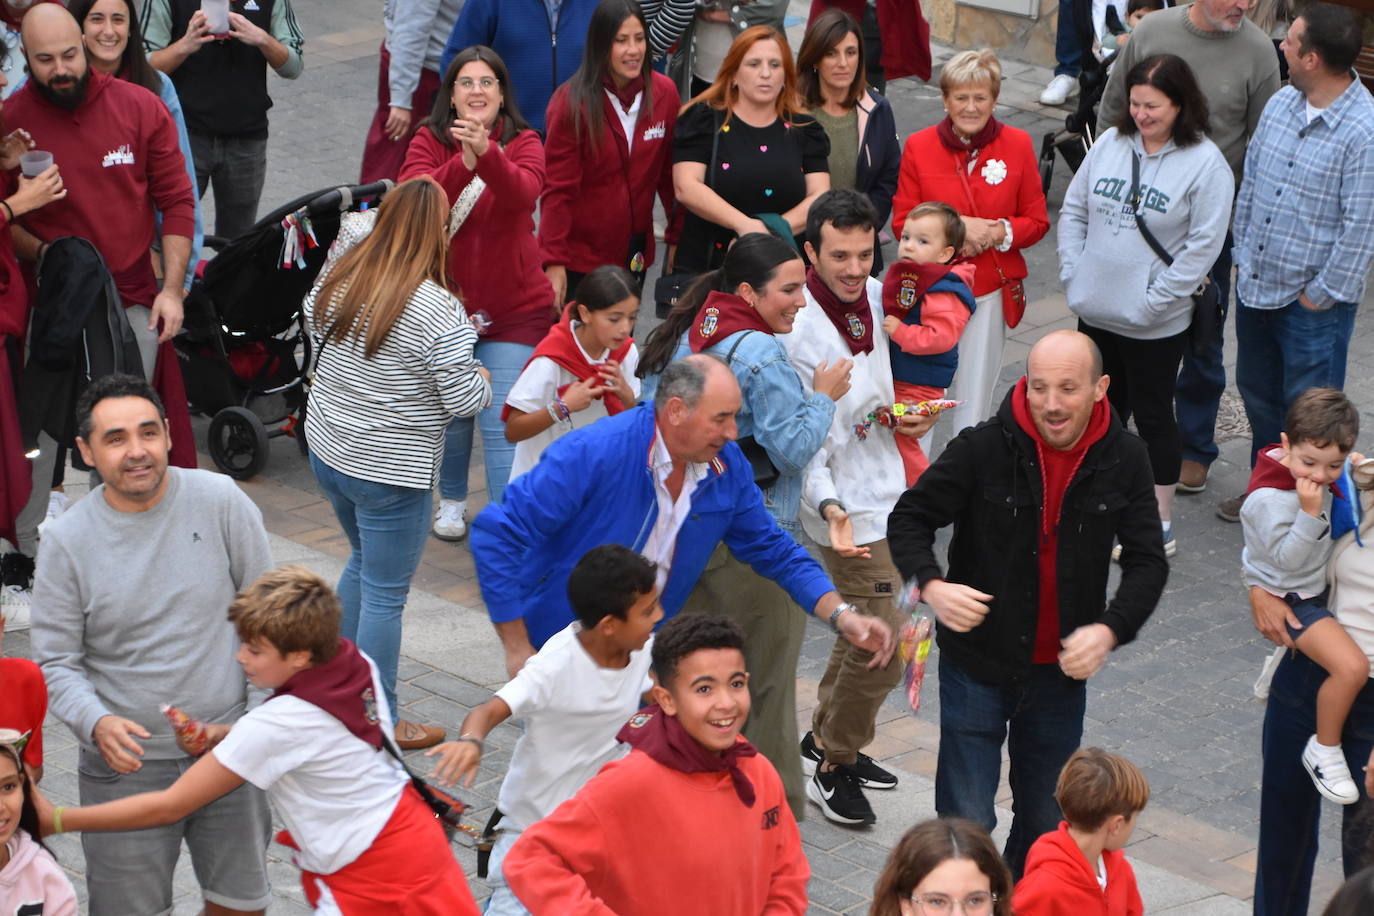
1305	213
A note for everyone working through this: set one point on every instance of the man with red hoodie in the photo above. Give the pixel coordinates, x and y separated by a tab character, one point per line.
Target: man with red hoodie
1036	494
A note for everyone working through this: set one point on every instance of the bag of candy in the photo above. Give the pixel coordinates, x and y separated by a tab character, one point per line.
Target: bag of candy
915	642
190	732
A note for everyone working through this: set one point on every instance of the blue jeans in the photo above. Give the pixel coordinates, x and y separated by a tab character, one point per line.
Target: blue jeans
1041	719
386	526
504	361
1280	354
1069	53
1202	379
1290	808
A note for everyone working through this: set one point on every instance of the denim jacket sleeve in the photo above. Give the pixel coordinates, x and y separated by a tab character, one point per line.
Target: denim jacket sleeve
788	422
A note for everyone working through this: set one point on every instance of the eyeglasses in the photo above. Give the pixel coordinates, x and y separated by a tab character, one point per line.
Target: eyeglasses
485	82
979	903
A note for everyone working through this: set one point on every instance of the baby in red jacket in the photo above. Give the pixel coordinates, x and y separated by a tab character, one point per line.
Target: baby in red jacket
1079	869
926	305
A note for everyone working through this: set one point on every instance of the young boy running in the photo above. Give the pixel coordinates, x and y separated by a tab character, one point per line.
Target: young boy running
1079	869
366	842
1287	547
574	694
693	821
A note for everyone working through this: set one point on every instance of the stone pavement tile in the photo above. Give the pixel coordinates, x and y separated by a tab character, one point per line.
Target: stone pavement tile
1189	863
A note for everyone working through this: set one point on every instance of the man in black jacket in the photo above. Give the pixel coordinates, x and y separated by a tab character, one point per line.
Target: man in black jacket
1036	496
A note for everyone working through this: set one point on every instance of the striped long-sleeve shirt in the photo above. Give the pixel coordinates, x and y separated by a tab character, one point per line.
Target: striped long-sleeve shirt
667	19
382	419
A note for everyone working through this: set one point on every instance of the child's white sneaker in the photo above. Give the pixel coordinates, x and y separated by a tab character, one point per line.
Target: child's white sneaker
1326	766
1266	675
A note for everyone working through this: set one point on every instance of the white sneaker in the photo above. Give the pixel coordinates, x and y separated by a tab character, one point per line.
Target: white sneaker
1329	772
1266	675
15	607
449	524
58	502
1059	90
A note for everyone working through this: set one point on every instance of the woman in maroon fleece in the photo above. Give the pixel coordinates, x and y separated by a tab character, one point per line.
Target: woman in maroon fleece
480	149
609	149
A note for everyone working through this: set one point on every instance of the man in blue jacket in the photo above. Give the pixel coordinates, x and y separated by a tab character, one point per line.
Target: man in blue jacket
665	479
540	41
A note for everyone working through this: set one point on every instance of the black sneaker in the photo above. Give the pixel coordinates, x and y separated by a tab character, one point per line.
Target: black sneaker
871	776
840	797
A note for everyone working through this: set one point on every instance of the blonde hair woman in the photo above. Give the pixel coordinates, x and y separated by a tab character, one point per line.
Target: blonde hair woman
987	171
395	365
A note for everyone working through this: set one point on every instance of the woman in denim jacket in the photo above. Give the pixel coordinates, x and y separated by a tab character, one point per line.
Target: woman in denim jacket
735	313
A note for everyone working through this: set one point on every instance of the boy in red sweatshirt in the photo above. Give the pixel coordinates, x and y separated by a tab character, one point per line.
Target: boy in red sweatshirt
927	303
693	821
1079	869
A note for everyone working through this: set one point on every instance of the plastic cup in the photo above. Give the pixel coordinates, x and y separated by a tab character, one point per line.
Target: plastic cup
216	16
34	162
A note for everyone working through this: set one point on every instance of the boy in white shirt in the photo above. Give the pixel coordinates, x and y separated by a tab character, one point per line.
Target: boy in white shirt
574	694
365	840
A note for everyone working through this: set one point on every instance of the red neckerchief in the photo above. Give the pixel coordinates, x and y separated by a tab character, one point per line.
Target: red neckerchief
562	347
626	96
906	282
341	687
1269	472
1056	472
952	141
663	738
854	320
721	315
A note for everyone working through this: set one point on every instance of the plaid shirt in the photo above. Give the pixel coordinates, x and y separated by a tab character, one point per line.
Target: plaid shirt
1305	213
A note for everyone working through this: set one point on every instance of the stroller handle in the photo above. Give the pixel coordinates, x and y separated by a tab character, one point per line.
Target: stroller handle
343	197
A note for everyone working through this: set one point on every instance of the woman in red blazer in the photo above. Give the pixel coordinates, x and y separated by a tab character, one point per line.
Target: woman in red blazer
988	172
491	165
609	149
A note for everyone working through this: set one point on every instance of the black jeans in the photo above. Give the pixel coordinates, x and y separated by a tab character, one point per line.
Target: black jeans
1144	374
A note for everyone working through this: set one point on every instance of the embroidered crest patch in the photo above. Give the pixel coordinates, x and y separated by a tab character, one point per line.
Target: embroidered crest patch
641	719
856	327
906	296
370	706
710	322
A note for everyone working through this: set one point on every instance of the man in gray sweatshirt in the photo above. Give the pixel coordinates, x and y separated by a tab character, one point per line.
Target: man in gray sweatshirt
129	611
1238	70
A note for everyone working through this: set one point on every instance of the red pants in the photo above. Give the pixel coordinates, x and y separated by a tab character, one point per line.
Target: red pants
408	870
382	156
914	460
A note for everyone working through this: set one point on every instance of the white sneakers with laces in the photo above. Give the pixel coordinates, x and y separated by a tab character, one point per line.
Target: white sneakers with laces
1059	90
449	524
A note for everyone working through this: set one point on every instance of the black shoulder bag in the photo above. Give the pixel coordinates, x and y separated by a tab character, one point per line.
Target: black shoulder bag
1208	313
765	472
670	287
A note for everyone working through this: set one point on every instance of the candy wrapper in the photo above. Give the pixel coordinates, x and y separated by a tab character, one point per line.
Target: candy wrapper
191	732
890	415
915	643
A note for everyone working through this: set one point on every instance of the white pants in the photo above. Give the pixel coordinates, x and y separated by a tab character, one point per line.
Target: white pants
980	365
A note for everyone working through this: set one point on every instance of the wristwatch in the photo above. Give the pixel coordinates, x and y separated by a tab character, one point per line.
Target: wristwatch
840	609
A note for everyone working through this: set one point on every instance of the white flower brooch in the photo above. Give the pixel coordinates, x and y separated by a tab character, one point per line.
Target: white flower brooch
994	171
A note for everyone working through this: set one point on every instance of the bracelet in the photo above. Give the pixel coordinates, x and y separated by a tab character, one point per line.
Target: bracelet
9	211
835	614
57	818
471	740
559	410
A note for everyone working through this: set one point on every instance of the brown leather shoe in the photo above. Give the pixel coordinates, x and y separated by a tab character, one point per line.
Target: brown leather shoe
1192	477
411	736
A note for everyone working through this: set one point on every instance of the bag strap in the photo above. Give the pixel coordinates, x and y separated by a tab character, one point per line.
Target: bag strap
1150	239
730	357
962	171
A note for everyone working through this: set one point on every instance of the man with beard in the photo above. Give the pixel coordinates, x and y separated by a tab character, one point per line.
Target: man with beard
848	490
129	611
1036	495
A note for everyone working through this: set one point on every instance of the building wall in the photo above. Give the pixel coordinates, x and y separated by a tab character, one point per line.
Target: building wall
1013	37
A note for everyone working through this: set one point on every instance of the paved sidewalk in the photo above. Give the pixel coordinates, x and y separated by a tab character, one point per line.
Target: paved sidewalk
1177	701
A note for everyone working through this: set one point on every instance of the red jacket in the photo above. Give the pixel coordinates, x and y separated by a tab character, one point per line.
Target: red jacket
641	837
1060	881
119	158
593	203
494	263
930	172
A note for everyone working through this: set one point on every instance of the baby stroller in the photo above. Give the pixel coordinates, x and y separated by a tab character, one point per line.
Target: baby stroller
244	346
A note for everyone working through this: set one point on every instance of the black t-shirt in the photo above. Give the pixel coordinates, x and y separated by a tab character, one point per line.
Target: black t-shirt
757	170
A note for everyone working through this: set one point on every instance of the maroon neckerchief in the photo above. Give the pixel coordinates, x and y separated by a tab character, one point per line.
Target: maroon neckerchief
560	346
854	320
663	738
721	315
626	96
341	687
971	146
906	282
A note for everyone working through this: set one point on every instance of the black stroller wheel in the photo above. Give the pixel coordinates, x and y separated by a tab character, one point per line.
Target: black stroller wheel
238	442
